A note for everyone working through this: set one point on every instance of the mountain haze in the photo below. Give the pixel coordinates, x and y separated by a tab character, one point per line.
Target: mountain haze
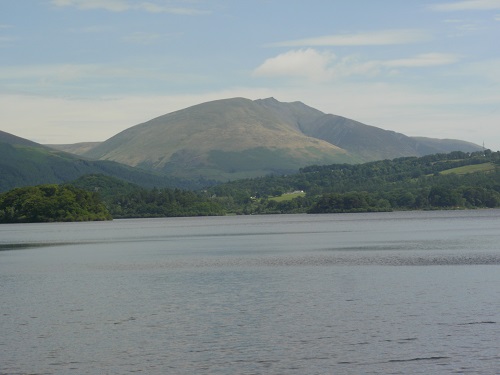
235	138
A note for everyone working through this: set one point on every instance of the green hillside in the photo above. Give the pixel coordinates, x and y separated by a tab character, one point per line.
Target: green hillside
442	181
25	163
410	183
431	182
484	167
239	138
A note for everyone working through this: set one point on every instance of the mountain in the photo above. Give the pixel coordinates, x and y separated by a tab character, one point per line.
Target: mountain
223	139
371	143
24	163
236	138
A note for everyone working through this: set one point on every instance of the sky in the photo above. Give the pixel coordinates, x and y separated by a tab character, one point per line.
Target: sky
83	70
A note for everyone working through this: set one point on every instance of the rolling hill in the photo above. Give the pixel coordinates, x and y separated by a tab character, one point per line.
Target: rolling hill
24	163
237	138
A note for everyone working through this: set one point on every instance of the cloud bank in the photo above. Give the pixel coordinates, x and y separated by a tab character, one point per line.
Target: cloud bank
375	38
317	65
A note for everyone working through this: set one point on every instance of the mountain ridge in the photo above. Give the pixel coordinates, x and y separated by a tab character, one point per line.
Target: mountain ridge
234	138
213	142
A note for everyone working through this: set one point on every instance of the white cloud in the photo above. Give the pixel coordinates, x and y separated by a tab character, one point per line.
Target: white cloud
127	5
385	37
307	63
423	60
323	66
466	5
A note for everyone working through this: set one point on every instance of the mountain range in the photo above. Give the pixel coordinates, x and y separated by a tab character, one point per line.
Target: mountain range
216	141
237	138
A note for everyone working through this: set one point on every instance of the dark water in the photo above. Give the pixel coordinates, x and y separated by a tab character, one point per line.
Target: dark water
391	293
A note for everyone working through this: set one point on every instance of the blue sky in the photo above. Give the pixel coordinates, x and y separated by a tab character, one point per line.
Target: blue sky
83	70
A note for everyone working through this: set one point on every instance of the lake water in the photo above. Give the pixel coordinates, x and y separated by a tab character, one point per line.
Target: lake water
380	293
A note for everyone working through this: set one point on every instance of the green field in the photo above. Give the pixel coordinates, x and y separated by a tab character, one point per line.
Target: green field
485	167
288	196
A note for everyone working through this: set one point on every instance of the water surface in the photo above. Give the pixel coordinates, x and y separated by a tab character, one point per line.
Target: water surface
415	292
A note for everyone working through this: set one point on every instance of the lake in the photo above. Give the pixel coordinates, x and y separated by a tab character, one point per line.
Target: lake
377	293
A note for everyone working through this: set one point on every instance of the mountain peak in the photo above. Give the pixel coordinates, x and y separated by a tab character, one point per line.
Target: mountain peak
236	138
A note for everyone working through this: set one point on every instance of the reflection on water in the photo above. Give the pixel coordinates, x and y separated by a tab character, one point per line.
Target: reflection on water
386	293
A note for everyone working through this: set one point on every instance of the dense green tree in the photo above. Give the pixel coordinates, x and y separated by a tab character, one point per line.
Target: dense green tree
399	184
125	200
47	203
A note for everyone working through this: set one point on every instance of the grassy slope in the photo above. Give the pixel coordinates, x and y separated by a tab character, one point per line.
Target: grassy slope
485	167
288	196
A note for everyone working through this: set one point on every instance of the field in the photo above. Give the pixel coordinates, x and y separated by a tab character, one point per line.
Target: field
485	167
288	196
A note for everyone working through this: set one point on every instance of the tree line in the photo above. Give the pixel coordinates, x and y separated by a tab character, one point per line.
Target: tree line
410	183
48	203
126	200
429	182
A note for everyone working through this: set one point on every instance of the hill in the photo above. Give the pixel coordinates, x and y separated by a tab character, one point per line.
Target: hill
440	181
238	138
26	163
453	180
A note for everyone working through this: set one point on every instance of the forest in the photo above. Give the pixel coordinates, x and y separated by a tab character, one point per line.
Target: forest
127	200
48	203
456	180
440	181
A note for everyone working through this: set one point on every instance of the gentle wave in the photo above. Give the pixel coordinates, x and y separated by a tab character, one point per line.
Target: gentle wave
313	260
417	359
